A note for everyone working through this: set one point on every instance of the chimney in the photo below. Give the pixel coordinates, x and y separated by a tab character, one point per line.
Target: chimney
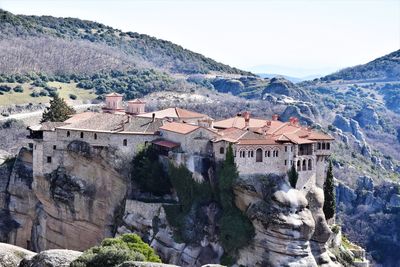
275	117
246	116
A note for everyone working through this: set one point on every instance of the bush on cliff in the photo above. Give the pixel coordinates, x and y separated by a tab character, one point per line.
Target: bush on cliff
236	229
149	173
114	251
188	218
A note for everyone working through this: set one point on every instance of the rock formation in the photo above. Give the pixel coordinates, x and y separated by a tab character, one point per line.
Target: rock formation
285	223
73	207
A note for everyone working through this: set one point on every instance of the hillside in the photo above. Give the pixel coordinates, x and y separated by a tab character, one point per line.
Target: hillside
106	46
83	60
385	68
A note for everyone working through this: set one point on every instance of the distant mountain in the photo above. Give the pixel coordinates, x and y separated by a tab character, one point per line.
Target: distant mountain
57	45
385	68
291	71
290	78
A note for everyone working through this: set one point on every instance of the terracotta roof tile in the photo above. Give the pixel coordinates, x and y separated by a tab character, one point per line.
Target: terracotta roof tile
165	143
177	127
177	113
238	122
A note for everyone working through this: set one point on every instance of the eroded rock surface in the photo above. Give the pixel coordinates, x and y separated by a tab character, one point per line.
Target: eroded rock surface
51	258
285	222
11	256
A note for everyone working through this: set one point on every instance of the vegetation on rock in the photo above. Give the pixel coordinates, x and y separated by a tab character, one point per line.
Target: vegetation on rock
236	230
58	110
149	173
293	176
115	251
329	193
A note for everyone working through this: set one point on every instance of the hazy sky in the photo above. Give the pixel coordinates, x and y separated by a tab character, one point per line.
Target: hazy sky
292	37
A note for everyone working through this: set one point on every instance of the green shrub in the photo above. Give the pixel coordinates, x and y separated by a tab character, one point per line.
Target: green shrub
293	176
18	89
188	190
236	230
114	251
149	173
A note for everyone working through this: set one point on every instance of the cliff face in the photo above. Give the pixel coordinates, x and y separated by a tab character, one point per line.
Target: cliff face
72	207
80	203
286	224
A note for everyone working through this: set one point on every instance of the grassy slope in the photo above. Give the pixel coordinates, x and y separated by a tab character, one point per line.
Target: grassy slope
64	90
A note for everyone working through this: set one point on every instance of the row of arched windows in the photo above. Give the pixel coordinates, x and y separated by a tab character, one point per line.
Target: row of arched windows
259	154
304	165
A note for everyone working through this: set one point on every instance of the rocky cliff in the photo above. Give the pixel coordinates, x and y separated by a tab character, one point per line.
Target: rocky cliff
73	207
83	201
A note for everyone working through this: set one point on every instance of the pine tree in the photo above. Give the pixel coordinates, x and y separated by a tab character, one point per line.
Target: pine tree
58	110
329	192
293	176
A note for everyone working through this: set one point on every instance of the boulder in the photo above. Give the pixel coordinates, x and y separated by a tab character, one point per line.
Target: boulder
11	256
281	86
144	264
365	183
51	258
283	223
294	111
394	201
342	123
345	194
367	117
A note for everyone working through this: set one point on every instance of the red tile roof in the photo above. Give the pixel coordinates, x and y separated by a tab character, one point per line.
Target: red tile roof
165	143
177	113
239	122
177	127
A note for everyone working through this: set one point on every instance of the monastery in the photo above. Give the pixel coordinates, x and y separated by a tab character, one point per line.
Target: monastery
260	146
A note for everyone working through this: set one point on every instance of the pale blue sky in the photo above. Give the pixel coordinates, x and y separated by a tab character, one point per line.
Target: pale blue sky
298	38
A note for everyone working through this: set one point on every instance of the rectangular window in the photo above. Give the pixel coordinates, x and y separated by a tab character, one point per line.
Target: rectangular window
48	159
54	147
285	162
291	149
285	148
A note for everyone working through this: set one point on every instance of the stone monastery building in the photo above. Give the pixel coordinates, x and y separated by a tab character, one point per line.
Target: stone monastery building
260	145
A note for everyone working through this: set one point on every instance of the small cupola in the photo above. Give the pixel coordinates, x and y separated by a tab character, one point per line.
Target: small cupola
114	103
136	106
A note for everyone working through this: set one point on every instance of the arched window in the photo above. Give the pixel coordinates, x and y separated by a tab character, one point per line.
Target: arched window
68	134
276	153
125	142
328	146
95	136
298	166
309	164
323	146
250	153
304	165
259	155
81	134
221	150
268	153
